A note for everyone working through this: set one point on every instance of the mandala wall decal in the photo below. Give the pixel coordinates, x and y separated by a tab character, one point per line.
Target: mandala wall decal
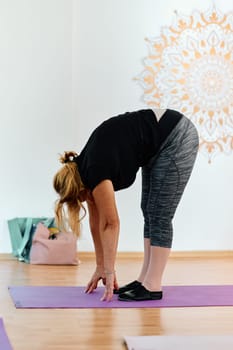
189	68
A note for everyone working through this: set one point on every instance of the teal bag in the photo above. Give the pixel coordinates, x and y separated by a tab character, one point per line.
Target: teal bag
21	234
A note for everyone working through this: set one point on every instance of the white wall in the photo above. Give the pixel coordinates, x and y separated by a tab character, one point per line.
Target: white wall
35	104
108	50
67	65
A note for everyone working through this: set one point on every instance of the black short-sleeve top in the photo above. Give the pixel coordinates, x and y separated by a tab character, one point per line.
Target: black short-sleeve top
118	147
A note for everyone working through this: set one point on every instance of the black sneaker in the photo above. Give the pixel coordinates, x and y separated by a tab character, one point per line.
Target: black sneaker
139	294
127	287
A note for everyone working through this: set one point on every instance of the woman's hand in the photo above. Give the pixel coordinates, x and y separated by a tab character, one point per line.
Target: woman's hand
96	277
108	279
110	283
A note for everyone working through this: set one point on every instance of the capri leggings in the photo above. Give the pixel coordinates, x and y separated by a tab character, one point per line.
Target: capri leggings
164	179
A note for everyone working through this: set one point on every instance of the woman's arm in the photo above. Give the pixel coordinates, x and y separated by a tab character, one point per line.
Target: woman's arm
104	200
94	228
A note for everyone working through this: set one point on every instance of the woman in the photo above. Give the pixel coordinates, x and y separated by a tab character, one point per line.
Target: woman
164	144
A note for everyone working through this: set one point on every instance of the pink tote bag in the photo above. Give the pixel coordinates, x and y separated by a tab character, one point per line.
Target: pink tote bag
59	251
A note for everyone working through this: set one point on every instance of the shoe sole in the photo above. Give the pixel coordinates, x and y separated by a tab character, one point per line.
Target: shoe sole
122	299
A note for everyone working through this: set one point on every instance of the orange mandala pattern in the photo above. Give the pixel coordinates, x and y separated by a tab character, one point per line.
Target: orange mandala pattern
190	68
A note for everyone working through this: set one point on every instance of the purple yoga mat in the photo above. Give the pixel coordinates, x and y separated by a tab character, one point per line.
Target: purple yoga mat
4	341
43	297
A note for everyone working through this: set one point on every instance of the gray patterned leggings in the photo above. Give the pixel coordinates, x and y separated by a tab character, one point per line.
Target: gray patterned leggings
164	179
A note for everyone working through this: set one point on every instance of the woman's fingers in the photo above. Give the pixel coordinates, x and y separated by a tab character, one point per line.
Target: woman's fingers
108	293
116	286
110	283
92	285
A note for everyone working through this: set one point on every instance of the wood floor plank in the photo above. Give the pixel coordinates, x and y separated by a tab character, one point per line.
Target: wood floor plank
103	329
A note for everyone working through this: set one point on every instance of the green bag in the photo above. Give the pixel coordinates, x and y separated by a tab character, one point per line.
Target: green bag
21	235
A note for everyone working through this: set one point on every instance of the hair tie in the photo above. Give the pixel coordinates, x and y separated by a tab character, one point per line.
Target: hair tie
71	159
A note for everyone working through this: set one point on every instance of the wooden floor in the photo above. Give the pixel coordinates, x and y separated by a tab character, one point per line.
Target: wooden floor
103	329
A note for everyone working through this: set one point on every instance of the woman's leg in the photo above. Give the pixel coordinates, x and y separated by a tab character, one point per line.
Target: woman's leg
146	260
157	263
144	201
170	172
169	176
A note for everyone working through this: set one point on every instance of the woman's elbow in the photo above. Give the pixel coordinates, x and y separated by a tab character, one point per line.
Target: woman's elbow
112	224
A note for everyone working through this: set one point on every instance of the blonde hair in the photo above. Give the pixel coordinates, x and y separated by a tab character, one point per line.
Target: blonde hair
68	184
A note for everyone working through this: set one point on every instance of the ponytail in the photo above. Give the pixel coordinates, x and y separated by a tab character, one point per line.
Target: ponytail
68	184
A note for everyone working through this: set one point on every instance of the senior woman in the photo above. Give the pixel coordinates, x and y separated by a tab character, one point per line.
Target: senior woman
164	144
